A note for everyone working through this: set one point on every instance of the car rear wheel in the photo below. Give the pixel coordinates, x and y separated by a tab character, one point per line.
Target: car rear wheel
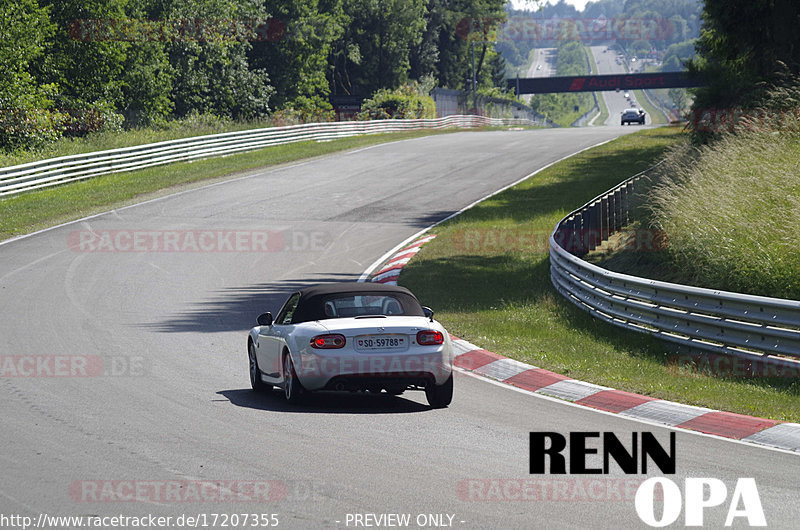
440	396
292	389
255	374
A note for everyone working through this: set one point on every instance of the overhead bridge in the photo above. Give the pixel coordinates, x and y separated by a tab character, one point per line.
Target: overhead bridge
599	83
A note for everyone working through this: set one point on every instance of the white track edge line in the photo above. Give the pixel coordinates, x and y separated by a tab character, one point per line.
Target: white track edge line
366	274
616	415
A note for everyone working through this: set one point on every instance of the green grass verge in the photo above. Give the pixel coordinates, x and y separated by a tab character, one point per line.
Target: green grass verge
656	116
39	209
558	107
568	118
487	275
729	211
601	102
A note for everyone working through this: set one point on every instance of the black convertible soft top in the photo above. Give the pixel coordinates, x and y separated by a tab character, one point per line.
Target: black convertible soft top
311	305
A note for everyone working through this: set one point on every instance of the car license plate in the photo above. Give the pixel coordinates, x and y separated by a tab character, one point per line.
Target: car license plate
381	342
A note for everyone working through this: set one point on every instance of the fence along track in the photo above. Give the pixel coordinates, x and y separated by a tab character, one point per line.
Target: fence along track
61	170
755	328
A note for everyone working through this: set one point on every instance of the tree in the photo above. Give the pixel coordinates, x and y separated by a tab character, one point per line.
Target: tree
742	46
25	29
296	53
87	66
678	97
212	73
677	55
461	25
497	69
374	51
148	77
486	34
25	118
407	102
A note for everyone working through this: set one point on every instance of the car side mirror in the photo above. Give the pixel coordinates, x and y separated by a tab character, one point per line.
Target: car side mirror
265	319
428	312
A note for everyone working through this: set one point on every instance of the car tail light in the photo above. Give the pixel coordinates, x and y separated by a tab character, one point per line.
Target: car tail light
429	337
331	341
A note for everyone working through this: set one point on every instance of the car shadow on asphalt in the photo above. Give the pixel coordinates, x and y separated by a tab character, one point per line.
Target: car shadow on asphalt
236	308
324	402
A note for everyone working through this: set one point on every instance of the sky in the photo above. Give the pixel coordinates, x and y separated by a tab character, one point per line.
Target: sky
579	4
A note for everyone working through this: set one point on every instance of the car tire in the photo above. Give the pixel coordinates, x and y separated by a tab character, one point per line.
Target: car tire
255	373
292	389
440	396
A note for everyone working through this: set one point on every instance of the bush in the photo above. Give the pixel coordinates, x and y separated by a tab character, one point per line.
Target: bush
405	102
304	110
99	118
30	128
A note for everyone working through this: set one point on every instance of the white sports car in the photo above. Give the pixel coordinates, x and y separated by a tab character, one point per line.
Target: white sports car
352	337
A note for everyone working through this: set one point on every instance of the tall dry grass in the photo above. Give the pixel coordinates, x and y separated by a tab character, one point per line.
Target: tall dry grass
731	212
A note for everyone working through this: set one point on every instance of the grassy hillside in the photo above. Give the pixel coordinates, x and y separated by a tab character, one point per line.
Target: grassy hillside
731	213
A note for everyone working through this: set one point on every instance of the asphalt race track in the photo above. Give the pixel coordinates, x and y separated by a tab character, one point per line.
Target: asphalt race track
151	393
616	102
543	65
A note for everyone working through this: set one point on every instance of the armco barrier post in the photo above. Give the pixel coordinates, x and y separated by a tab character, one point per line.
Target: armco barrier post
604	218
576	237
623	205
617	210
588	226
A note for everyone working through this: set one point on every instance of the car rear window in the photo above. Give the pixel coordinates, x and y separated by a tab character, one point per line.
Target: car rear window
364	304
357	299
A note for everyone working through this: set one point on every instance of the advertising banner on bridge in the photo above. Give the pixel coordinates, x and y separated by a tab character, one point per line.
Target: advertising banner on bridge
597	83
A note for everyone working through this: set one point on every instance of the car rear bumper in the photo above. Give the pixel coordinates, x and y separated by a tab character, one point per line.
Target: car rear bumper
327	371
376	383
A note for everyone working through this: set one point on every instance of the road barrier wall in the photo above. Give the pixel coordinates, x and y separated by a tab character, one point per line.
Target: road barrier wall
755	328
56	171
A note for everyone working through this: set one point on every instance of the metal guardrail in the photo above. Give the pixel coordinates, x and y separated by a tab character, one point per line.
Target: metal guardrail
55	171
756	328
